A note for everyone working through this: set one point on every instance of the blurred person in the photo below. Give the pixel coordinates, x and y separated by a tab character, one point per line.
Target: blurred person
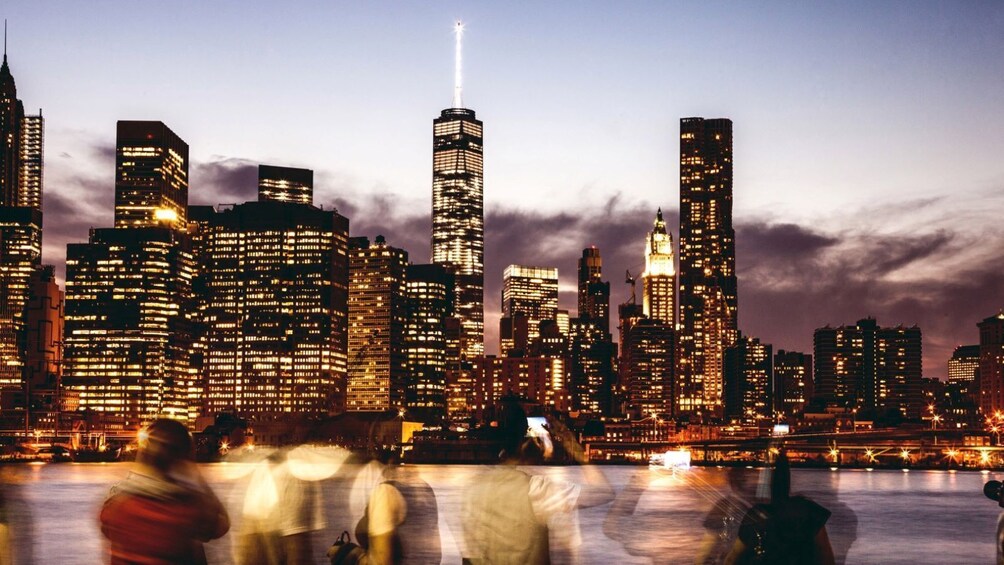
164	510
281	511
786	530
401	521
507	513
721	525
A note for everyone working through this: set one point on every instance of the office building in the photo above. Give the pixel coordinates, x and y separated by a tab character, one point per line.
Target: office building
659	278
594	292
708	290
793	385
285	184
378	314
151	176
870	368
964	366
748	380
531	292
648	359
590	356
43	351
991	375
21	144
430	306
540	380
128	334
274	307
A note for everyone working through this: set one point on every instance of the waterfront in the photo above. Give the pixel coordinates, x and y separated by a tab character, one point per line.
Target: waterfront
914	517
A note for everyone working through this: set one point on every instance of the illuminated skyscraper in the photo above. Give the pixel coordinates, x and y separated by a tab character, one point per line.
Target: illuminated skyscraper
749	377
964	365
708	289
991	376
275	296
378	316
659	278
871	368
648	357
458	231
285	184
594	292
151	176
531	292
128	338
20	221
430	307
793	385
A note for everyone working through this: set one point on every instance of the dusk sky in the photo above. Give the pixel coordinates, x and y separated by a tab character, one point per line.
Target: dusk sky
869	155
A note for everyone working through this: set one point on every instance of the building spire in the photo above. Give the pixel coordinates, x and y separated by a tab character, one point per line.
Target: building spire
5	40
458	98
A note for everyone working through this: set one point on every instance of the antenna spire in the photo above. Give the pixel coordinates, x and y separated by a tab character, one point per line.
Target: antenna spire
458	87
5	40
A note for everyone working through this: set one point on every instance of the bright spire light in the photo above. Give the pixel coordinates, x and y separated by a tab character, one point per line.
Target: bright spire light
458	97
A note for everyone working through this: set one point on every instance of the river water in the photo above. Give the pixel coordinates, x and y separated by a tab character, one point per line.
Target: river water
883	516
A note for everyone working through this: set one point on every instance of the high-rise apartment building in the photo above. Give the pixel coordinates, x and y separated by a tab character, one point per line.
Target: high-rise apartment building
871	368
748	380
20	222
151	176
129	333
708	288
594	292
991	376
273	298
964	365
378	316
535	379
648	358
530	292
285	184
590	367
659	278
43	351
793	385
430	307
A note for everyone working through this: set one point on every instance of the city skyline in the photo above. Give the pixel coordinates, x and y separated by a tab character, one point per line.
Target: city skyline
924	256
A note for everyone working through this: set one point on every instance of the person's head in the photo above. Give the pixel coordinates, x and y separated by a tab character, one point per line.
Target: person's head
780	480
164	444
512	426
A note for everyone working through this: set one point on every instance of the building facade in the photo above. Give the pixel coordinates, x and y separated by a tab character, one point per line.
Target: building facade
378	315
749	377
285	184
793	384
964	365
991	376
647	363
594	292
659	278
870	368
430	307
708	286
151	176
273	298
530	293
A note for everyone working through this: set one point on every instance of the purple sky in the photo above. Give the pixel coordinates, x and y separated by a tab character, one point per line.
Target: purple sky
868	168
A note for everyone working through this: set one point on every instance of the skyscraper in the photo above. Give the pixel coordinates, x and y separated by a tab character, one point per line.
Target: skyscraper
964	365
151	176
749	375
648	356
869	367
594	292
129	337
285	184
275	294
659	278
458	231
20	221
991	377
378	315
43	337
708	289
430	307
793	385
531	292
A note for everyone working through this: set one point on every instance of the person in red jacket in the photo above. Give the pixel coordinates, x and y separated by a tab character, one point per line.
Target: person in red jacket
164	510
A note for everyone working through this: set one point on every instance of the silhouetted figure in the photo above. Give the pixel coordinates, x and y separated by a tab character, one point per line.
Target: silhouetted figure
164	510
789	530
401	522
507	513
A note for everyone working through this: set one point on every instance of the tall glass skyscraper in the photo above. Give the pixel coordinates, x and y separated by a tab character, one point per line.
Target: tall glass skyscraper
708	289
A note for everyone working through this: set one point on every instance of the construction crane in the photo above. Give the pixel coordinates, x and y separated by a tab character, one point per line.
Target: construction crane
630	280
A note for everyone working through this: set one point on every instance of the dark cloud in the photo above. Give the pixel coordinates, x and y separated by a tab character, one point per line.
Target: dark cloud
225	181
